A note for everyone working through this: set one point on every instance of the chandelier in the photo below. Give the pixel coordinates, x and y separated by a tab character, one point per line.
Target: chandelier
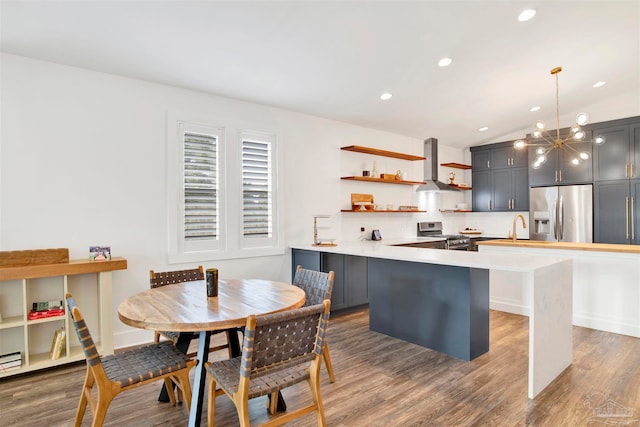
546	142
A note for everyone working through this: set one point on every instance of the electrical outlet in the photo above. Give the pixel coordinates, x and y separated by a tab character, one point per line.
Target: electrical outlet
361	229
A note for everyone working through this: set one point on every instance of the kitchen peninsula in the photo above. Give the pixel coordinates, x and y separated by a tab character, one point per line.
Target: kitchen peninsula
440	299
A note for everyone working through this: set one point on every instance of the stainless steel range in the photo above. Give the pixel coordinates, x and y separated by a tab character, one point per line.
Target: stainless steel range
458	242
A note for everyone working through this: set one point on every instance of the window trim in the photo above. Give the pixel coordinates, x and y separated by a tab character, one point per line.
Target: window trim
231	243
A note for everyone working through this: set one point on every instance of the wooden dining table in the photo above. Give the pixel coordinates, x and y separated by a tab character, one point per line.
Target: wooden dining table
185	307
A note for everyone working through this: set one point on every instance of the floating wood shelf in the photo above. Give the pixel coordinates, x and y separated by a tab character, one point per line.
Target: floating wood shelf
385	153
380	211
456	165
386	181
459	187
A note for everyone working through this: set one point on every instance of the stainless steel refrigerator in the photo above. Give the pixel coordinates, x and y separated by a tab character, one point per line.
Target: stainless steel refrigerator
561	214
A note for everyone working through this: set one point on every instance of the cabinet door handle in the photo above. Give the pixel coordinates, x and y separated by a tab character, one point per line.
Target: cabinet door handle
632	217
488	164
489	205
626	213
556	175
560	175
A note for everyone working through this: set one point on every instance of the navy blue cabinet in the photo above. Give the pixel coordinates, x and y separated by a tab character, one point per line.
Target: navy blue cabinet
350	281
500	178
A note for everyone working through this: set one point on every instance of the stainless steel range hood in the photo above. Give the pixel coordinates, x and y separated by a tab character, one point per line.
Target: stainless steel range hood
431	169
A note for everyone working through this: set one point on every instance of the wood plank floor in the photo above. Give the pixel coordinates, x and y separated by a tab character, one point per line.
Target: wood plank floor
382	381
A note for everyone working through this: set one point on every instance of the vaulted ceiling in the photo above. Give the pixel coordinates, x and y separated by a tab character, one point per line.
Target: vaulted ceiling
334	58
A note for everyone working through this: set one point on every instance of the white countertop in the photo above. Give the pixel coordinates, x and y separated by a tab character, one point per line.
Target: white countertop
384	249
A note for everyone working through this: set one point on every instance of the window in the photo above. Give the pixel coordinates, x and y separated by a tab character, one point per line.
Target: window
258	194
222	193
200	199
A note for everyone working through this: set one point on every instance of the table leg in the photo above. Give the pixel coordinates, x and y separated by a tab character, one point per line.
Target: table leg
200	380
184	339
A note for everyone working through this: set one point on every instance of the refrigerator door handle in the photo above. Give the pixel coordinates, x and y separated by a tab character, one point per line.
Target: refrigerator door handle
555	217
561	220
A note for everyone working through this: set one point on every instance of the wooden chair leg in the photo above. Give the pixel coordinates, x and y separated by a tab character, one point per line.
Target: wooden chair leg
272	403
327	362
243	413
169	386
314	385
104	400
211	411
82	405
186	389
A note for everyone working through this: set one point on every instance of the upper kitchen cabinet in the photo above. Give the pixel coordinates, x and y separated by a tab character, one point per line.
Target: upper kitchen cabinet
618	157
500	178
559	170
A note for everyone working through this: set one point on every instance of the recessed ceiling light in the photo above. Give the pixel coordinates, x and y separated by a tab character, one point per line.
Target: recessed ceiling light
526	14
600	83
534	109
444	62
484	128
385	96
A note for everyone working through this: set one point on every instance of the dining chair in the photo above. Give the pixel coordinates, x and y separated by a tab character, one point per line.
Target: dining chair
279	350
317	287
158	279
126	370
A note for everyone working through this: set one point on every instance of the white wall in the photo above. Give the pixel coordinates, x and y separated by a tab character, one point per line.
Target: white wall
83	162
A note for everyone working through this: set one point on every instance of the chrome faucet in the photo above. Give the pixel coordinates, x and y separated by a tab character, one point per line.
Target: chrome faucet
524	225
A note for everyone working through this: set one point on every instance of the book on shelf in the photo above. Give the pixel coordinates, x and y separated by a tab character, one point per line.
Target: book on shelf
42	309
10	361
11	366
10	357
57	344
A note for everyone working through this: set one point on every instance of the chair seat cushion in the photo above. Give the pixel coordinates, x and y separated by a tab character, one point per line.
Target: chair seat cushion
140	364
226	375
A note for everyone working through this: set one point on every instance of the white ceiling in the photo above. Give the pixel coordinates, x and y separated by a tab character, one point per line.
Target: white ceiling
334	59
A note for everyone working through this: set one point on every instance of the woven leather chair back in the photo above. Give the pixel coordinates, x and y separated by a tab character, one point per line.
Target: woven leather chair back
316	285
285	339
157	279
84	336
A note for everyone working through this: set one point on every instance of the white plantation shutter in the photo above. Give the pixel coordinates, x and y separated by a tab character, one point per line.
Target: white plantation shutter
257	189
201	206
222	193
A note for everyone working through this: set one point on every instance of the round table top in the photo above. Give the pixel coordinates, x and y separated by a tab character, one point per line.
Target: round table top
185	307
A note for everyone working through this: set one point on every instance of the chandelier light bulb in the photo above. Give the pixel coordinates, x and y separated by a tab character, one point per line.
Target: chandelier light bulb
540	125
537	133
579	135
541	159
540	150
582	119
519	144
599	140
536	165
575	161
584	155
